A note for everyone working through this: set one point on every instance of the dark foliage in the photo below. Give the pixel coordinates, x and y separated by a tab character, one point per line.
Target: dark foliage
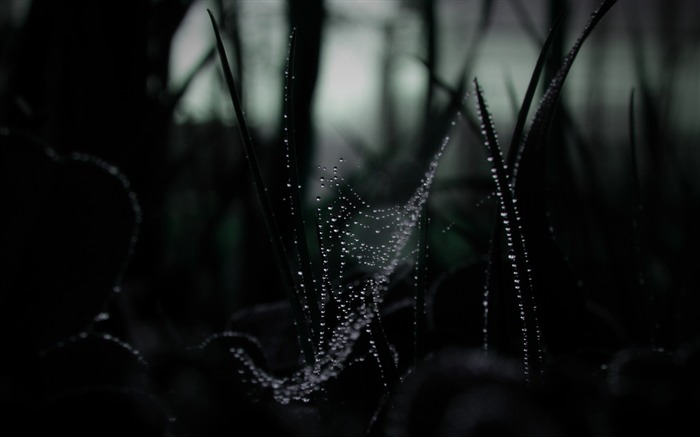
563	304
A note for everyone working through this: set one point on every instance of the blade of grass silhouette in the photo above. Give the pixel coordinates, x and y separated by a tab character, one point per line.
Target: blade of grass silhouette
430	30
517	253
384	357
527	175
235	34
513	153
545	112
232	17
527	172
309	290
275	236
515	143
486	13
515	146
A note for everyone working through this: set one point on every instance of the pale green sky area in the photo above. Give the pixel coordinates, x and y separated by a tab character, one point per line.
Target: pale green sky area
349	88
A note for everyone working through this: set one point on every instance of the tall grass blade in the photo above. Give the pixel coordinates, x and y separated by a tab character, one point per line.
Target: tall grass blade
515	143
528	183
309	285
235	34
543	117
510	219
430	29
486	14
383	353
273	231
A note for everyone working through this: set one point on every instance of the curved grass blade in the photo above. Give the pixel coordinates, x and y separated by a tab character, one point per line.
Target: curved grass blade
513	152
486	13
383	353
515	143
545	112
527	178
515	239
430	30
273	232
309	285
235	34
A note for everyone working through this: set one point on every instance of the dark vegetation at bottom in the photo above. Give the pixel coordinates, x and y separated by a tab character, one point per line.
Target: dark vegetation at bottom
111	326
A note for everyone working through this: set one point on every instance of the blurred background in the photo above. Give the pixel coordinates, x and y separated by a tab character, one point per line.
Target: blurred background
138	84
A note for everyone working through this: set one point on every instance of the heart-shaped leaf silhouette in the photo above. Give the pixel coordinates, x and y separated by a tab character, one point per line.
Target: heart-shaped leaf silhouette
70	227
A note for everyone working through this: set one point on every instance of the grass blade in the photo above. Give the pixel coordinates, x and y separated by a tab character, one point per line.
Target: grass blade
543	117
527	180
515	144
274	234
384	355
430	30
486	14
309	285
517	253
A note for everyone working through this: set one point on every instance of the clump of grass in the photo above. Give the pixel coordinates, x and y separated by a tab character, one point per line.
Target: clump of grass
515	239
519	182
